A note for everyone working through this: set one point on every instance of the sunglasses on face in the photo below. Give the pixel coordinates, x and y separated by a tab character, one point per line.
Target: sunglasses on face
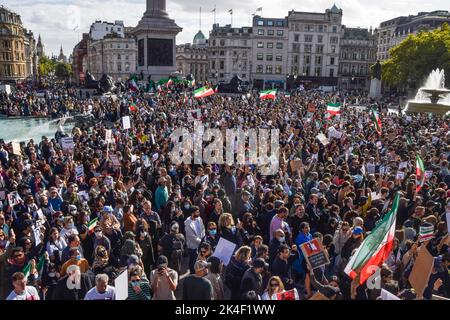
274	285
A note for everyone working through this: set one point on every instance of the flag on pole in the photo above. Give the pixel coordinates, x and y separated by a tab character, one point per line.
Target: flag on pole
91	225
132	106
133	85
213	10
191	83
376	121
27	270
203	92
230	11
375	249
334	108
259	9
216	88
408	140
40	264
420	173
268	94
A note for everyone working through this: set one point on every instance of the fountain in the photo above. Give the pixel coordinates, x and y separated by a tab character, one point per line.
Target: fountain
433	97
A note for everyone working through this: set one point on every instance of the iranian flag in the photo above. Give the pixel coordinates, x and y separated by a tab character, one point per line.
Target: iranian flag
165	82
268	94
375	249
420	173
133	107
27	270
191	83
133	85
376	121
92	224
203	92
334	108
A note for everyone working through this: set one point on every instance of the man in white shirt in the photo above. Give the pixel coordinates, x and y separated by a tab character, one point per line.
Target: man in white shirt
21	290
195	231
101	291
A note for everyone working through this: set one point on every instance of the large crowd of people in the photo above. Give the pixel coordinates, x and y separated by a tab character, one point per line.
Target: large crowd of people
65	236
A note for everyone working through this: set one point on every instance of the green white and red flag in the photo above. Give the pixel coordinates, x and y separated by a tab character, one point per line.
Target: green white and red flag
376	248
203	92
268	94
133	107
334	108
91	225
376	121
420	173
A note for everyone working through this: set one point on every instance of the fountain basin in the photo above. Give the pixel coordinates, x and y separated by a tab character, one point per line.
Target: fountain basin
422	106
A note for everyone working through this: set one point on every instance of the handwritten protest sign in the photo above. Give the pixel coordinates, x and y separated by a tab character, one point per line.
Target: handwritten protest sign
115	160
67	143
314	254
16	148
421	270
224	250
323	139
121	285
126	123
79	172
108	136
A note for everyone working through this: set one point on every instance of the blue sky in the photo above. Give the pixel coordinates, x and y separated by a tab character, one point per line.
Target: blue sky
61	22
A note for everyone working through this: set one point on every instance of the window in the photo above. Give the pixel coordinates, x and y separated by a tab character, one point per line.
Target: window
333	49
214	42
334	40
306	59
295	59
118	46
270	23
259	56
222	65
319	39
308	38
308	47
222	43
270	45
269	69
320	28
332	60
280	33
259	68
270	32
107	29
119	29
279	58
213	64
119	66
278	69
331	72
269	57
279	23
306	70
334	29
319	48
296	38
222	53
317	71
260	44
260	22
244	75
221	75
296	47
260	32
279	45
126	46
318	60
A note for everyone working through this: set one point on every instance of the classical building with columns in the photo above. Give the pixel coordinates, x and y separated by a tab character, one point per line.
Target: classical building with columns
156	41
193	58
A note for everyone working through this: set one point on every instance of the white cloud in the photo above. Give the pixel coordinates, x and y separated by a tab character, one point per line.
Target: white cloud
56	20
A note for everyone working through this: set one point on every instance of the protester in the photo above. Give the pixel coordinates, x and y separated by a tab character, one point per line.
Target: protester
101	291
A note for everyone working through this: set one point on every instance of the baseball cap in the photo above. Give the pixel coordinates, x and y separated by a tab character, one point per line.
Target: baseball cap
200	265
162	261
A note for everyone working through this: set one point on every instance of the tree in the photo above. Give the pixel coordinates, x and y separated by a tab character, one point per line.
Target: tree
63	70
415	57
46	66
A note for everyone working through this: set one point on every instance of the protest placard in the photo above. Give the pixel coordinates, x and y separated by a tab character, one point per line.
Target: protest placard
115	160
108	136
79	172
421	270
290	137
374	196
314	254
403	165
428	174
447	215
194	115
37	235
287	295
318	296
84	196
40	214
224	250
323	139
121	285
386	295
126	123
16	148
400	175
67	143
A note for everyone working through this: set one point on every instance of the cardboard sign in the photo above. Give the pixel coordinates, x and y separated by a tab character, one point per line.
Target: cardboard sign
79	172
287	295
121	286
323	139
126	123
14	199
314	254
67	143
108	136
421	271
295	165
318	296
224	250
16	148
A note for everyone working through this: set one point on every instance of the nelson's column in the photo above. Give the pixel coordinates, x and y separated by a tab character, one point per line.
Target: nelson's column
155	35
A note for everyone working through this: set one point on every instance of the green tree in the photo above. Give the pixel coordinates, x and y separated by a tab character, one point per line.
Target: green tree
63	70
415	57
46	66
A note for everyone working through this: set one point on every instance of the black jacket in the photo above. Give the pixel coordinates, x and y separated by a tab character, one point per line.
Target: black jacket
251	281
233	277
